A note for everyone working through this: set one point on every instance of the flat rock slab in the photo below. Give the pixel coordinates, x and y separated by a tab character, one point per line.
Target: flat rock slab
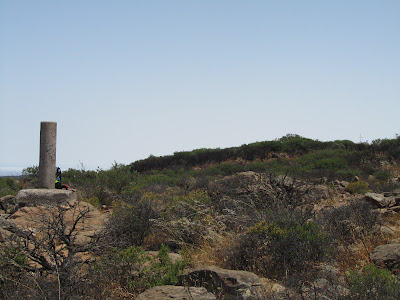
40	197
167	292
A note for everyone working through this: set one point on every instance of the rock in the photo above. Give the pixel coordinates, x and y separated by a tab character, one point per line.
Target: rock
168	292
40	197
34	218
344	183
379	200
388	256
8	204
323	289
229	283
394	241
174	257
391	194
386	230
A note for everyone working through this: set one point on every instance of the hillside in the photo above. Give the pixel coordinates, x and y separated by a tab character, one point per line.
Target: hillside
292	218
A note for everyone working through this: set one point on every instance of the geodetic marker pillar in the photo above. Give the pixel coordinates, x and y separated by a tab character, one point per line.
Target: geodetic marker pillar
47	162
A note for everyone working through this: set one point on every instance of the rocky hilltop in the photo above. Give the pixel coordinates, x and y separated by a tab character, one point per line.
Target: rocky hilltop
311	226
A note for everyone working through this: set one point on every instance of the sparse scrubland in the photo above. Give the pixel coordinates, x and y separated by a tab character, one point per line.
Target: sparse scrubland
292	211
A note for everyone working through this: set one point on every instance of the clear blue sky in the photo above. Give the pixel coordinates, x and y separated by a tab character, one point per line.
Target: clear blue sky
126	79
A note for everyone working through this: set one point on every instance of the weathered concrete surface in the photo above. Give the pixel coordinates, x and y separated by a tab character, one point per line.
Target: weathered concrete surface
167	292
43	197
47	162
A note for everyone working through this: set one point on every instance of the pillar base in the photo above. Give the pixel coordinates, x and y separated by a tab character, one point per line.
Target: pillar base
40	197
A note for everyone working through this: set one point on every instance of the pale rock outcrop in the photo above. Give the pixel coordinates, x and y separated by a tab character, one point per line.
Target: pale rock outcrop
33	217
388	255
167	292
378	200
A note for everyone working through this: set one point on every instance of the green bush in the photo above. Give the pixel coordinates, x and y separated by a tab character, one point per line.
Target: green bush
330	163
8	186
12	263
225	169
163	271
93	200
359	187
279	248
116	179
373	283
129	223
382	176
137	270
31	172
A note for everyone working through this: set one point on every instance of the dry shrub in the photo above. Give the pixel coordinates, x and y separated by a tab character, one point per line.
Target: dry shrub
52	255
211	251
278	249
129	224
353	231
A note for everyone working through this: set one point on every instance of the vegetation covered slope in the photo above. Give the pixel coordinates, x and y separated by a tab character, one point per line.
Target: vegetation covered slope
288	210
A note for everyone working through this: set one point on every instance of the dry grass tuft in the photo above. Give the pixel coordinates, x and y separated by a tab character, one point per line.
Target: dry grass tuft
212	251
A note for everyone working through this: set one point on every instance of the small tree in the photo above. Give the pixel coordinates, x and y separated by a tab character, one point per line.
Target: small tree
50	246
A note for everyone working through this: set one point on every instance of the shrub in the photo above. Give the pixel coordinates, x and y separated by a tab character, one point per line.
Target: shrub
226	169
330	163
382	176
117	178
279	248
8	186
380	182
350	222
163	271
12	262
32	172
136	270
129	223
360	187
50	247
93	201
373	283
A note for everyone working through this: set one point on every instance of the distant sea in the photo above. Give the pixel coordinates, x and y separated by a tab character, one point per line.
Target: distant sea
17	171
11	171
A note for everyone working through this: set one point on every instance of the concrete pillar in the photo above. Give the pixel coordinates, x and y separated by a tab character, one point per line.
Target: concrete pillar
47	162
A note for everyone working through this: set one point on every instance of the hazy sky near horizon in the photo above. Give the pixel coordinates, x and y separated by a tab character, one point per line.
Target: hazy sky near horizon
126	79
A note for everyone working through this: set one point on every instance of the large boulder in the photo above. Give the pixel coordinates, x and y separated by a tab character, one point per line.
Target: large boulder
34	219
227	283
46	197
388	255
379	200
167	292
